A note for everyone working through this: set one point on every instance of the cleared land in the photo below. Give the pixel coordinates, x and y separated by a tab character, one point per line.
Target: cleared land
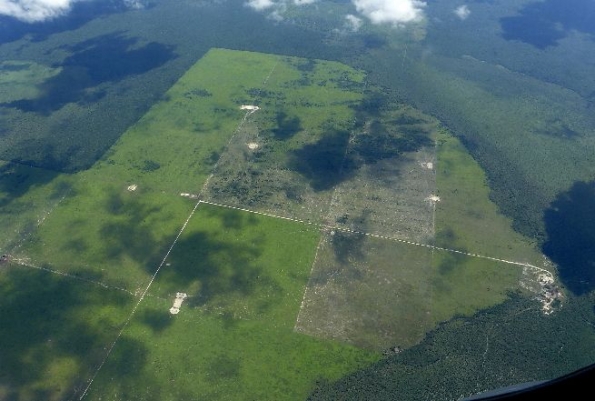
368	292
390	161
325	164
377	294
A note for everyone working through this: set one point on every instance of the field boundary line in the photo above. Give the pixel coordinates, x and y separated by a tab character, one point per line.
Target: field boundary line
327	227
23	263
297	320
144	293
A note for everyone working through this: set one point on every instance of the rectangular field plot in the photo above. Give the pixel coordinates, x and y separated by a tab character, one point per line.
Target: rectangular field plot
380	294
368	292
54	332
239	262
232	338
390	185
287	156
391	197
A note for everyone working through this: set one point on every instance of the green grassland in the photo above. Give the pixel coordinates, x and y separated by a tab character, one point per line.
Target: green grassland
464	285
233	338
466	218
105	232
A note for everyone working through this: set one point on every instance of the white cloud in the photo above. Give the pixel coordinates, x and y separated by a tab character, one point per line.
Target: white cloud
276	15
35	10
135	4
353	23
42	10
462	12
260	5
390	11
275	8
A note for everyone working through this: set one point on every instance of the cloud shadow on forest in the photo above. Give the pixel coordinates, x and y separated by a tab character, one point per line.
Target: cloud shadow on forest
544	24
80	14
570	227
107	58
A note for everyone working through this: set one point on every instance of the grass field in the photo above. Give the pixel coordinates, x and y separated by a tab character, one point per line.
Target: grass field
102	226
466	219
